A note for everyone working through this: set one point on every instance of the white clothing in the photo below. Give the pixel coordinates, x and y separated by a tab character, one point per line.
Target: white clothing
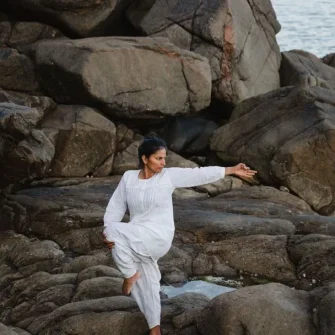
130	255
148	236
150	202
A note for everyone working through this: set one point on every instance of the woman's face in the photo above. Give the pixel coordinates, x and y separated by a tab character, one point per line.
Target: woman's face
156	161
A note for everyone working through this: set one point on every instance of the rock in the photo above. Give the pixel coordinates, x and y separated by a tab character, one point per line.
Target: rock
188	135
323	309
303	68
222	186
187	194
174	160
44	105
95	306
313	224
261	201
98	271
84	139
249	310
313	255
4	330
175	266
25	151
210	225
85	18
18	34
120	322
284	135
124	137
37	256
329	59
100	287
118	73
262	254
237	38
17	71
82	263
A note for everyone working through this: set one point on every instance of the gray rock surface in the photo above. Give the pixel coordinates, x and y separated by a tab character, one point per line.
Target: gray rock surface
249	310
25	152
17	71
299	67
238	38
284	135
83	140
119	74
83	18
18	34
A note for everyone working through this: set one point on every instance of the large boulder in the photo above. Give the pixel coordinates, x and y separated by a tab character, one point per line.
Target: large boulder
128	77
76	18
83	139
303	68
238	38
17	71
262	310
288	136
25	152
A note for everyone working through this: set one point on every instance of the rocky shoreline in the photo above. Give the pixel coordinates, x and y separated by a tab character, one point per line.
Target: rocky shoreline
82	82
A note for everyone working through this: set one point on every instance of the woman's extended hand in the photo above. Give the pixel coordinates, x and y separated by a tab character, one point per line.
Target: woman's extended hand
109	244
241	170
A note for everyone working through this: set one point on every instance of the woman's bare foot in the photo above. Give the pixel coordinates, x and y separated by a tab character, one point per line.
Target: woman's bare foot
155	331
129	282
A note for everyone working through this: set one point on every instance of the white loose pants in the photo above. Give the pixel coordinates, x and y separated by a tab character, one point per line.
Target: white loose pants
130	255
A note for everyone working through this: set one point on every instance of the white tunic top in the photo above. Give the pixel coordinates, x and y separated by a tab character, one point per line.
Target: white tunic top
150	202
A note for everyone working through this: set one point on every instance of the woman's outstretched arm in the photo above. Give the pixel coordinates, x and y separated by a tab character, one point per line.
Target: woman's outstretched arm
188	177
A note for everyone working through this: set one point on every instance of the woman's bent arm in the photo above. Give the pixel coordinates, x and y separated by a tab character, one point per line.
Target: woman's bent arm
117	205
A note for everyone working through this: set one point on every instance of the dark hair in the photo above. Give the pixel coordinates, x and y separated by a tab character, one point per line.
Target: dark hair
149	146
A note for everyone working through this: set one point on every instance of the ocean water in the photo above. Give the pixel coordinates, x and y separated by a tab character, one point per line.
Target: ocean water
306	24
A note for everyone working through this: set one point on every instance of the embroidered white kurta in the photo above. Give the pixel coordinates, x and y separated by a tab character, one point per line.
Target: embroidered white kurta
149	234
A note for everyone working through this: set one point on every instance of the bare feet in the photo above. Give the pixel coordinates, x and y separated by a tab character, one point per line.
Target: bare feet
129	282
155	331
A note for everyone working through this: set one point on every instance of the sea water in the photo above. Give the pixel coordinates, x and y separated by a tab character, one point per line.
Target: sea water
306	24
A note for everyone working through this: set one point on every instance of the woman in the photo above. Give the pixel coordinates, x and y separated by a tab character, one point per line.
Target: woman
137	245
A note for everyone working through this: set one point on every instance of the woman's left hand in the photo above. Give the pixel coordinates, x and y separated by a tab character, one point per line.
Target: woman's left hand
242	170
